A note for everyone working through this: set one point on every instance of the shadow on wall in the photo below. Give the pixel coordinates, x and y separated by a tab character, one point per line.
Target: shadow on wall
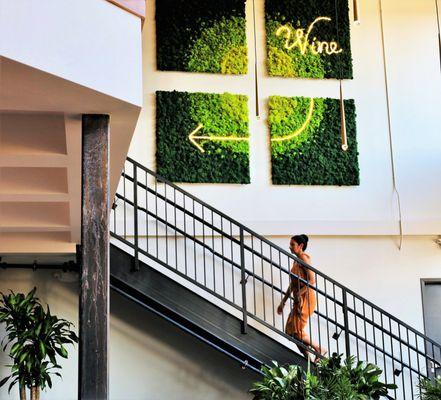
166	362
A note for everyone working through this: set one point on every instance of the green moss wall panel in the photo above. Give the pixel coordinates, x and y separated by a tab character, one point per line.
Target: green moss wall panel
201	36
308	38
202	137
306	142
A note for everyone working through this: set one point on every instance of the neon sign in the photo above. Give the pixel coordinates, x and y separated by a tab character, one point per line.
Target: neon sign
301	129
195	138
298	38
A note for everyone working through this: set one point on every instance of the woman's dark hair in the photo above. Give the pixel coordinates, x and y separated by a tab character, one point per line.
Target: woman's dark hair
301	239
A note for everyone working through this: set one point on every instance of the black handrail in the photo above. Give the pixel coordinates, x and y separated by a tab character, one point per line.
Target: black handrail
269	243
227	250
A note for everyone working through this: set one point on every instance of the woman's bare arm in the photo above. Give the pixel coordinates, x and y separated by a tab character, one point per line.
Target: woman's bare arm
310	275
285	298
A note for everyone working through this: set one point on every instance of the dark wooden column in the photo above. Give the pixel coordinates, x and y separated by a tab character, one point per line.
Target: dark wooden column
94	258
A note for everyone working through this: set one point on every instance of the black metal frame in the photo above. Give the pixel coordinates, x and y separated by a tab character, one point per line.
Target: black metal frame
65	267
206	243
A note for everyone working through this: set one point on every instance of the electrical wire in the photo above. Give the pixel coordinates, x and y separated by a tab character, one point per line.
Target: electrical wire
356	13
343	132
256	79
389	122
439	31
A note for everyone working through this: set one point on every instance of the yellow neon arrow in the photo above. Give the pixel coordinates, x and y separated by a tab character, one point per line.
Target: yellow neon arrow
301	129
193	138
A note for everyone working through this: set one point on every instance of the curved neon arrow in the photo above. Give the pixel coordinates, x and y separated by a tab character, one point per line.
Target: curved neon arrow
193	138
301	129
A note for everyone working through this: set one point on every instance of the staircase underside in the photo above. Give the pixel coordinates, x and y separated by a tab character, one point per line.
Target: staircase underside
195	314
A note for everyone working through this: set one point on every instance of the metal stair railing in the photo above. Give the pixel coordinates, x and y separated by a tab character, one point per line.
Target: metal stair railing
172	228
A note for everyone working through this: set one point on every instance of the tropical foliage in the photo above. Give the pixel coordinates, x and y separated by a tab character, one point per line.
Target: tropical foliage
332	380
35	339
430	389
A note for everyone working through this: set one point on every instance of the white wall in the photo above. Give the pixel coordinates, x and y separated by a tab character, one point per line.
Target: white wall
72	40
149	358
371	208
351	228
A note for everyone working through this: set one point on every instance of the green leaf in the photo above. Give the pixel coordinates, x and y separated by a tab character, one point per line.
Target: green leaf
4	380
42	349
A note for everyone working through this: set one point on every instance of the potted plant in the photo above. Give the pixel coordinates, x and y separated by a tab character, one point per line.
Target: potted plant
35	338
332	379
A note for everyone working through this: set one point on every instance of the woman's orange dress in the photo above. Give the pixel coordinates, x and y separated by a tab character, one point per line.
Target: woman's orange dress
299	315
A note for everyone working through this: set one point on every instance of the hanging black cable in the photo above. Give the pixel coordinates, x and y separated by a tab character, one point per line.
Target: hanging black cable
356	13
256	78
439	31
389	124
343	132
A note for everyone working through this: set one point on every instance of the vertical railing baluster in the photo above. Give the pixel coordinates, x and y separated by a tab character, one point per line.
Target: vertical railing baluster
263	278
203	247
410	362
165	225
156	219
213	251
194	244
223	255
336	319
318	311
232	261
327	316
176	232
281	285
254	276
365	332
243	282
346	322
374	335
125	197
135	211
272	287
357	346
146	213
185	236
383	348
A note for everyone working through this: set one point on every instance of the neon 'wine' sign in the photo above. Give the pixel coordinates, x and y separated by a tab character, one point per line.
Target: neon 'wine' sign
303	41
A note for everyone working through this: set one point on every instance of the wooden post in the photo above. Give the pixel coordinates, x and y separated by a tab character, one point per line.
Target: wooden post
94	260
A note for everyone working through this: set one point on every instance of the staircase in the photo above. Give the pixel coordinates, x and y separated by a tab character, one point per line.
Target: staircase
221	282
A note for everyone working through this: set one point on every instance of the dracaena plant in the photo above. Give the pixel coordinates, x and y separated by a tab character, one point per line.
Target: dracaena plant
35	338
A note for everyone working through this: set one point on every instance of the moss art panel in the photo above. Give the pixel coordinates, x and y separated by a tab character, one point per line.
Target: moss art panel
308	38
306	142
202	137
201	36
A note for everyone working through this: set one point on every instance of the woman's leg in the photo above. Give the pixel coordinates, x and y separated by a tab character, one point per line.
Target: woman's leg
304	338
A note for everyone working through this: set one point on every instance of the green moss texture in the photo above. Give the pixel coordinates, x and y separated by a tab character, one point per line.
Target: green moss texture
312	155
201	36
300	14
220	151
